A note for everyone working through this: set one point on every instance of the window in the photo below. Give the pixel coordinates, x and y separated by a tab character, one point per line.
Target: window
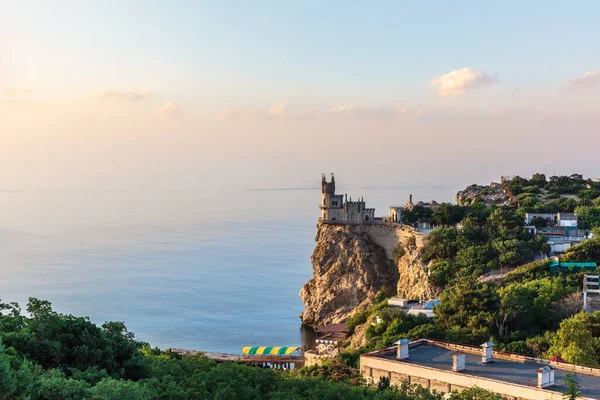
366	217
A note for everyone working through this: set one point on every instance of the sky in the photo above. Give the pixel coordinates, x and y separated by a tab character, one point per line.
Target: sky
203	95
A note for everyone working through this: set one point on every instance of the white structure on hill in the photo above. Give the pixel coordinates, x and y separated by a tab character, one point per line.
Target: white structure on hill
555	219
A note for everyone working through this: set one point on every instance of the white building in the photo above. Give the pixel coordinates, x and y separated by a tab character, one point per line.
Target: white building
555	219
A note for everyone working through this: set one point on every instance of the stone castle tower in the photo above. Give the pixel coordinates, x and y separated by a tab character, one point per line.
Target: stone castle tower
334	207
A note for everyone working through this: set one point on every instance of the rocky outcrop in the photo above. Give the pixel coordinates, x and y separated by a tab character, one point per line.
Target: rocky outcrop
352	263
490	195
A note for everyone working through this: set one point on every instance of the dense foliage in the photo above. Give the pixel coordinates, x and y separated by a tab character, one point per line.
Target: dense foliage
528	310
486	239
51	356
558	194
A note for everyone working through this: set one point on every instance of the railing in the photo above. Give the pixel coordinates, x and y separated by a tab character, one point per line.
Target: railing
271	358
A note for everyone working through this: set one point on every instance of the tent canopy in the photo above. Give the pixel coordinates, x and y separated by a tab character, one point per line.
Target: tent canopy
273	351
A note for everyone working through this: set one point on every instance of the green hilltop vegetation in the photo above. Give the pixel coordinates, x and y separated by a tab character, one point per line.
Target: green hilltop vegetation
51	356
530	310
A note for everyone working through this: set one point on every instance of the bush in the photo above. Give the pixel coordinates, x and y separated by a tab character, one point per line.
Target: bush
398	253
358	318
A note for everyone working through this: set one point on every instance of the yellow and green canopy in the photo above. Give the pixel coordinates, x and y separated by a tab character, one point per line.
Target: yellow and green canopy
272	351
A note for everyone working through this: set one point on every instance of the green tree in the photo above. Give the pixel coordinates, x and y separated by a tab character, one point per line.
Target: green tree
15	376
572	391
574	342
116	389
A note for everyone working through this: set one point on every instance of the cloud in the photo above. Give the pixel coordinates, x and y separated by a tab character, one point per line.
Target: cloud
589	81
405	110
16	91
458	82
279	109
515	92
228	114
344	109
128	95
170	110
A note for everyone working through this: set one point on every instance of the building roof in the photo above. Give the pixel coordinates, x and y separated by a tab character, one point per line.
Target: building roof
431	304
430	354
580	264
334	328
281	351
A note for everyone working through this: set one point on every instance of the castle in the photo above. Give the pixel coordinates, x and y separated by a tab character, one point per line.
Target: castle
337	207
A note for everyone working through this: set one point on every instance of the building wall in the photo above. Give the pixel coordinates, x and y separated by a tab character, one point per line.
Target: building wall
397	371
395	214
311	358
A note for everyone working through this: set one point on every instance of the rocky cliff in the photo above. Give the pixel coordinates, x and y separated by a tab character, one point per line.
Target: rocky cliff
352	263
490	195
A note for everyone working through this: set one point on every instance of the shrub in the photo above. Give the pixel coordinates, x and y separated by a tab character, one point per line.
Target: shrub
398	253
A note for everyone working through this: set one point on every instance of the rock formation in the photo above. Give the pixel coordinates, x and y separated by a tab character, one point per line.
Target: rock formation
352	263
490	195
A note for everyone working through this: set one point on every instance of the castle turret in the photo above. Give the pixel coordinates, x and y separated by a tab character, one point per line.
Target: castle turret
327	187
331	204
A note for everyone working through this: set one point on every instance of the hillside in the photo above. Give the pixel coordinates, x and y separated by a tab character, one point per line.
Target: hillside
353	263
528	310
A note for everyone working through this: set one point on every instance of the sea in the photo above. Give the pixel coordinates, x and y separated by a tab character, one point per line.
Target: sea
200	270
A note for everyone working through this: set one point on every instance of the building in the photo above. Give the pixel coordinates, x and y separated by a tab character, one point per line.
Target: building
447	367
326	344
395	214
414	307
410	205
337	207
561	233
554	219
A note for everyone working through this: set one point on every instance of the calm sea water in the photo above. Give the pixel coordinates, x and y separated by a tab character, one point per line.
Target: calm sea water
210	271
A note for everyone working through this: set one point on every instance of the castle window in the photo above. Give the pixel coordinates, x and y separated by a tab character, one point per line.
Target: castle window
366	217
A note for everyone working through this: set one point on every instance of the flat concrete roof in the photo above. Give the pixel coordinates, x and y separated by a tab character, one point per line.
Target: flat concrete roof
521	373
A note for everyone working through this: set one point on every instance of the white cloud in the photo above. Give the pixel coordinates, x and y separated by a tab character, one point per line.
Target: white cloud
230	114
278	109
170	109
589	80
458	82
405	110
344	109
129	95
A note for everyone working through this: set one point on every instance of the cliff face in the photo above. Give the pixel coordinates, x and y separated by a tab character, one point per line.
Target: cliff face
352	263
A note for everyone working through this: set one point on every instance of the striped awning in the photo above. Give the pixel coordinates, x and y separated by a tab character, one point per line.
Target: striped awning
273	351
